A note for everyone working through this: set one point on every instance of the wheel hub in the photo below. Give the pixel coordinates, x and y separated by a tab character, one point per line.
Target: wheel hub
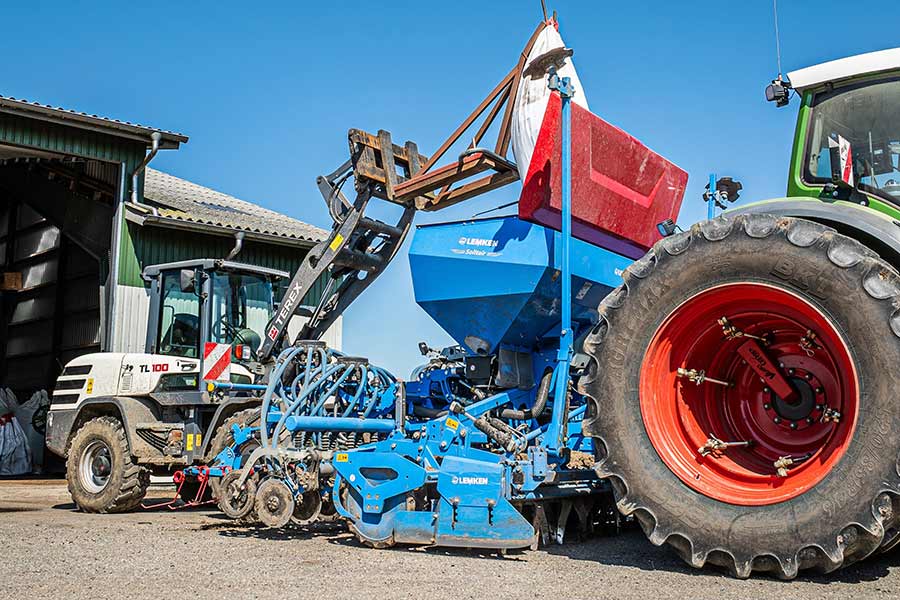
800	411
713	419
95	466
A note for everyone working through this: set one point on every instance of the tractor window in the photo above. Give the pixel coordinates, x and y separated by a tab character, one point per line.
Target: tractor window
241	308
867	116
179	319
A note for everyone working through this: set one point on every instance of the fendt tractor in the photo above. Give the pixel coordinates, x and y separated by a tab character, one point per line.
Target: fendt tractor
116	417
731	388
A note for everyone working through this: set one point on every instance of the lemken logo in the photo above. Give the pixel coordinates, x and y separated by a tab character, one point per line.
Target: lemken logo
481	242
466	480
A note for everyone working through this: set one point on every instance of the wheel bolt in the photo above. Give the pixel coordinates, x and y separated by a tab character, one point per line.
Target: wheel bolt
777	420
820	390
808	376
781	365
793	425
819	407
790	371
809	421
766	390
767	406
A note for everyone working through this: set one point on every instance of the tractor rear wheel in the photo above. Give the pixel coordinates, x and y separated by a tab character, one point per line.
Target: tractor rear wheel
696	431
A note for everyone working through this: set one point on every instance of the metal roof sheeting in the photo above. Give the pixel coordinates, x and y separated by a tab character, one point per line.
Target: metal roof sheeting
65	116
182	200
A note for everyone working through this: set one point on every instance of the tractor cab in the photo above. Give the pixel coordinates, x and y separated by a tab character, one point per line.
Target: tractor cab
199	302
847	140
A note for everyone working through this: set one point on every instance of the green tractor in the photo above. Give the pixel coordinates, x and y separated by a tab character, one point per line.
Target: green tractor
745	380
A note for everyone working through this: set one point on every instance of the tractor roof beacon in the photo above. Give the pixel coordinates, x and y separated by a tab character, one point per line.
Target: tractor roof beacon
743	376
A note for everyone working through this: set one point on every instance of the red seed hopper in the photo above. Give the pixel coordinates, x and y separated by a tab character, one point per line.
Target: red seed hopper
620	188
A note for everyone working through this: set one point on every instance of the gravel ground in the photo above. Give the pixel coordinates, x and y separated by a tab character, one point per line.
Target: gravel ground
48	550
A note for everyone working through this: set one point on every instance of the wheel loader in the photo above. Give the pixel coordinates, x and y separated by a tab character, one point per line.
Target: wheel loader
117	417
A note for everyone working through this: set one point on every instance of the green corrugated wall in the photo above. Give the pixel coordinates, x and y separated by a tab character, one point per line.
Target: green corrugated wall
69	140
144	246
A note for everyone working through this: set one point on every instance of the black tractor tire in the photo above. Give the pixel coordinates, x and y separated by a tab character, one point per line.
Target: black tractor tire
855	508
223	438
123	482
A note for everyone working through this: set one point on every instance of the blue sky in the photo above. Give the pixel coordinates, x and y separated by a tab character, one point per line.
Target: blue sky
267	91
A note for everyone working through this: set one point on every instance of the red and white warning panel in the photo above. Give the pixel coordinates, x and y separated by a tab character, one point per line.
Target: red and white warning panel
216	362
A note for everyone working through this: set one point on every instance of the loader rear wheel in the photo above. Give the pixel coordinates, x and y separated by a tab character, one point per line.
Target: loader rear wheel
101	474
814	480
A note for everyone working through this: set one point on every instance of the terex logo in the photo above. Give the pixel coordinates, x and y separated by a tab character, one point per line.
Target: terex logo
483	242
467	480
287	305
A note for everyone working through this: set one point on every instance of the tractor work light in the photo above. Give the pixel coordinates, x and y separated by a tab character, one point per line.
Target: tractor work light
779	92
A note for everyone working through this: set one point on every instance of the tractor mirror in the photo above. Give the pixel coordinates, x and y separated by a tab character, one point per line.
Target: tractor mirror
188	278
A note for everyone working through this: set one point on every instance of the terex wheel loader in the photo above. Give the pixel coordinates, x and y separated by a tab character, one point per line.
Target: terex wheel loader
116	417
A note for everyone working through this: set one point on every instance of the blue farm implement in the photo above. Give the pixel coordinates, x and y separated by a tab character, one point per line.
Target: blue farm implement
483	445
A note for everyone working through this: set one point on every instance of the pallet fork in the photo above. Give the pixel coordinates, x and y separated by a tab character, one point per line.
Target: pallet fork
359	248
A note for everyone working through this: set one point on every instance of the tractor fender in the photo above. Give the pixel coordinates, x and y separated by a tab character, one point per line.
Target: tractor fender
875	230
225	410
129	410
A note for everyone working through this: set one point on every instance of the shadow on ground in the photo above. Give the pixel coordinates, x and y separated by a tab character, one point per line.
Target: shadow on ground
632	549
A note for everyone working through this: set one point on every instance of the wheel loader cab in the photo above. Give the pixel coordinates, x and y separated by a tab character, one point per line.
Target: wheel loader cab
195	302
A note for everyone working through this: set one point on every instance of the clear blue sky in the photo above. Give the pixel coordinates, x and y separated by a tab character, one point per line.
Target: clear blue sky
267	91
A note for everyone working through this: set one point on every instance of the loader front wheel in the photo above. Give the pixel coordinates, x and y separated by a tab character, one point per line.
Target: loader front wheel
101	474
224	438
689	425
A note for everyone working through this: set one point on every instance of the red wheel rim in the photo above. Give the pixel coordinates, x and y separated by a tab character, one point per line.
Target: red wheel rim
679	414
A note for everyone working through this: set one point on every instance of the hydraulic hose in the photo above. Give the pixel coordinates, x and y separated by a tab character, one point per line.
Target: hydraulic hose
428	413
540	402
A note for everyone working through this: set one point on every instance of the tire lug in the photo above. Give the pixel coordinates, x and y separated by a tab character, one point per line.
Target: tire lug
819	407
809	420
793	425
767	406
790	371
766	390
777	420
820	390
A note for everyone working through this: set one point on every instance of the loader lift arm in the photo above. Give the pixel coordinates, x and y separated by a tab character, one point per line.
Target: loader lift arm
360	248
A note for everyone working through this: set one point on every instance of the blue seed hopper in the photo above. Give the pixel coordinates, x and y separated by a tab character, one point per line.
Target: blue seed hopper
495	282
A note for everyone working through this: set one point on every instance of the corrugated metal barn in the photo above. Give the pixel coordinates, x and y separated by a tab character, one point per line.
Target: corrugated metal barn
75	236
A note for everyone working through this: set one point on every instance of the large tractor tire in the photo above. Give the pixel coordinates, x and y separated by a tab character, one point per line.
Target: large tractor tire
101	474
817	484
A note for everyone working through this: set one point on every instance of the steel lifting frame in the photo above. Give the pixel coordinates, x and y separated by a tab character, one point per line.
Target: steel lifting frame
359	248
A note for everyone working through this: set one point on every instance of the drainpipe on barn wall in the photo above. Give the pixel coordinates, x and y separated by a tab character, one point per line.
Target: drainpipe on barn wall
113	278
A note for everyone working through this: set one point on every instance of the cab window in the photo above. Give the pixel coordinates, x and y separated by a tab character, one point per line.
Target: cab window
179	319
